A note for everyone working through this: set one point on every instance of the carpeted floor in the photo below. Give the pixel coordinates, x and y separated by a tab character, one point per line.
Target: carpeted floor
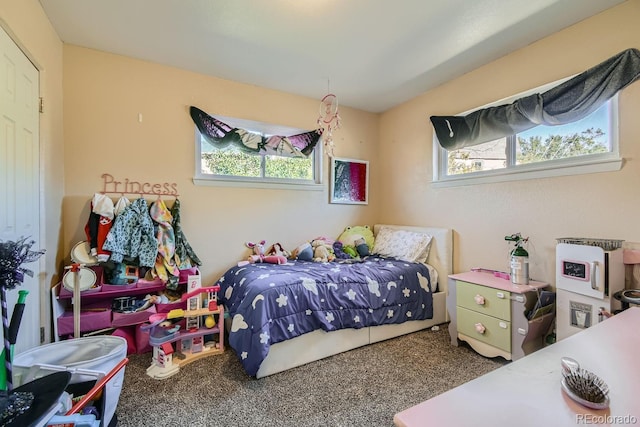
362	387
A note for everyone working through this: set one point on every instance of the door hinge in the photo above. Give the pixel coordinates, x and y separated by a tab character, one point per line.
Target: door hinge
41	106
41	328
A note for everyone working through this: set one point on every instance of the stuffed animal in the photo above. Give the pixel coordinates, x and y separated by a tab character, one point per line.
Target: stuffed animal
350	239
322	250
277	249
351	251
259	256
361	247
304	252
339	252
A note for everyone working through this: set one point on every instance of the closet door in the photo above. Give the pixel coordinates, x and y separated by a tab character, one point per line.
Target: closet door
19	175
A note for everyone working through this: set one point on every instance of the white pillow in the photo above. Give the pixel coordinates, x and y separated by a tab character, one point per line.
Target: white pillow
402	244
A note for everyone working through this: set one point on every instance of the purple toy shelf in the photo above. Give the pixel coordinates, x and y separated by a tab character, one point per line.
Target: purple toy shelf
113	293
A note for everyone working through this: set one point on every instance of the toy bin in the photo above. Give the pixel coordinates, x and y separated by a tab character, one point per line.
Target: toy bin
150	284
75	420
89	321
133	318
88	359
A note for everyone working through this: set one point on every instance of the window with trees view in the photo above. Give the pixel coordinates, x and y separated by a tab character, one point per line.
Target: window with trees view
538	152
232	164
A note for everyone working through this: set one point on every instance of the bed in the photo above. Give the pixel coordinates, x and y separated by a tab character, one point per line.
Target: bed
283	316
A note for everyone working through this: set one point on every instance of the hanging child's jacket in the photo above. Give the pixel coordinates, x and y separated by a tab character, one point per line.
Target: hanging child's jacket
185	255
132	235
98	225
165	266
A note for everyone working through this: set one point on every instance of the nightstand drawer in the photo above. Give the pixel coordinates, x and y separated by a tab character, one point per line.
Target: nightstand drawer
495	332
490	301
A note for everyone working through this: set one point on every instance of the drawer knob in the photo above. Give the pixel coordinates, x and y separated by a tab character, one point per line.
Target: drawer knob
480	328
479	299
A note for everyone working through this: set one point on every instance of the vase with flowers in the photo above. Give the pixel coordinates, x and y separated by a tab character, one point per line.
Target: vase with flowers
13	256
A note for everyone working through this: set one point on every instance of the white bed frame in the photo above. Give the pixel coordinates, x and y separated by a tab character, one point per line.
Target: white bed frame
319	344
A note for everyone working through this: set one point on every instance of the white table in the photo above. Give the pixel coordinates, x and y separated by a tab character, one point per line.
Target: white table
527	392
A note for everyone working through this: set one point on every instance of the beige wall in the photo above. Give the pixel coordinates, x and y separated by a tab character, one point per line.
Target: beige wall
604	205
103	95
26	22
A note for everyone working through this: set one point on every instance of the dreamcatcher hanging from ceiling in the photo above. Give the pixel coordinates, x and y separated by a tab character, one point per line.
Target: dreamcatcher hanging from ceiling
328	121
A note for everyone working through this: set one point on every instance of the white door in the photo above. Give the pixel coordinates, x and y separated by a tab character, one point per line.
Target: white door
19	175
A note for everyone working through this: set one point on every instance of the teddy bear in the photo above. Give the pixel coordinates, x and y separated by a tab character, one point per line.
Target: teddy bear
357	240
322	250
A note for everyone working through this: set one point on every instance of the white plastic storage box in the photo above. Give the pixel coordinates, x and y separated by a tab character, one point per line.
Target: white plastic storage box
75	420
88	358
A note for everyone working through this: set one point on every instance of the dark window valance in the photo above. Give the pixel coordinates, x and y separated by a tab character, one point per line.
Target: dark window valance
221	135
570	101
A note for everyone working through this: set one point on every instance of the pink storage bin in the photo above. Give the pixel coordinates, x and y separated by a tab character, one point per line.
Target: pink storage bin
184	274
108	287
143	283
95	304
128	319
89	321
142	340
165	308
128	333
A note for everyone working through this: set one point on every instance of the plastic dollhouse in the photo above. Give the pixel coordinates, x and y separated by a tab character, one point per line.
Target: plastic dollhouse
182	336
163	360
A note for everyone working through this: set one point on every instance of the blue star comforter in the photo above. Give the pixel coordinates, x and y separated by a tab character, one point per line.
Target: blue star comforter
272	303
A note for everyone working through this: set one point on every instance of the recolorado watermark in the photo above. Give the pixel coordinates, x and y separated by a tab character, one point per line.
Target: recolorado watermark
606	419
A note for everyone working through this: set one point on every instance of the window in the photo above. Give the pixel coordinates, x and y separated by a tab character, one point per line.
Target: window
231	165
585	146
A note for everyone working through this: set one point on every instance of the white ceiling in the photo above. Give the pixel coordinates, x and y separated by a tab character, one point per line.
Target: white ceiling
373	54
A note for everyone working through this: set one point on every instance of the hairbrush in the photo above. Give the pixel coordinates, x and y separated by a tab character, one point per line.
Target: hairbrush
584	386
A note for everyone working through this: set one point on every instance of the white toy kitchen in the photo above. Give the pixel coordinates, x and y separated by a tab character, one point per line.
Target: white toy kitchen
588	273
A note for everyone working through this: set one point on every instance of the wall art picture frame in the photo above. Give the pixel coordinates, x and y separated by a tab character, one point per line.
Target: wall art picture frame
349	181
